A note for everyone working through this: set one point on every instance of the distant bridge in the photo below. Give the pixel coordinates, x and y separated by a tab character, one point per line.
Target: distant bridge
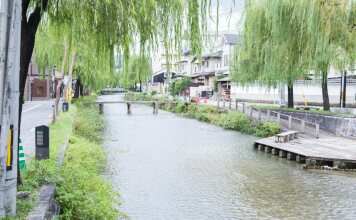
129	103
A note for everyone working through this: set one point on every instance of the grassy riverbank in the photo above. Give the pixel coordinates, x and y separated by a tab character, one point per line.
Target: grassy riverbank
81	190
227	119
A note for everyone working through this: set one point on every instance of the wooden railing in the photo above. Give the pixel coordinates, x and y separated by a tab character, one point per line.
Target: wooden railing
269	115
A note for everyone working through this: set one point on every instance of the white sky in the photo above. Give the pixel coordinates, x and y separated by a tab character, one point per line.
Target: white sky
230	15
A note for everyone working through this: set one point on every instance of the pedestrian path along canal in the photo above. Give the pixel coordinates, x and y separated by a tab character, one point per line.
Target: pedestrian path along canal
169	167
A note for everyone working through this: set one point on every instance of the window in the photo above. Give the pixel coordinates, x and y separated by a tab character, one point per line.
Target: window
206	63
226	60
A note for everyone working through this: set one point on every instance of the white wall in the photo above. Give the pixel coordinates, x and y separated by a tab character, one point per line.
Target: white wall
311	90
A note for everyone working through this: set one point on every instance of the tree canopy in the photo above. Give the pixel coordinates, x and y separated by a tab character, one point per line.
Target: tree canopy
285	40
93	29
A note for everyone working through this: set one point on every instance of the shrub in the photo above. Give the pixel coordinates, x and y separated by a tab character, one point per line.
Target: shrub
235	121
180	108
267	129
207	109
213	118
83	193
201	116
153	93
89	124
192	109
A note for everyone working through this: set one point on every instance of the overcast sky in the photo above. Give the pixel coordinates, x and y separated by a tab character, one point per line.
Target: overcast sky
230	14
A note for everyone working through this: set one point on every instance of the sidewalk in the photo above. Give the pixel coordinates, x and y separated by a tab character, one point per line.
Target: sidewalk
34	113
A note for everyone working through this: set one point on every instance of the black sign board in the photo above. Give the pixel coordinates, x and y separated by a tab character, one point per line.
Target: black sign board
42	142
65	106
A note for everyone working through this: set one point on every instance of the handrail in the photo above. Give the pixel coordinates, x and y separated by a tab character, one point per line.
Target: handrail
269	113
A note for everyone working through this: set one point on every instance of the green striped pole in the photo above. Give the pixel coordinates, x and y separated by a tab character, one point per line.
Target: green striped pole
22	162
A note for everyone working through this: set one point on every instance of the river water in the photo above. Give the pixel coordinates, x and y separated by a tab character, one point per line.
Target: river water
169	167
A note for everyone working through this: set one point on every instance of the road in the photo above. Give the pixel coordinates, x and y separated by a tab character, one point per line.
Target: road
34	114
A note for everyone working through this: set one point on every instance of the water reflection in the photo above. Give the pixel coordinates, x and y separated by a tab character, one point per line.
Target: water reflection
168	167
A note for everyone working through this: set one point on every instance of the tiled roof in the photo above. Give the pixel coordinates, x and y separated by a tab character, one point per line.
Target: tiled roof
233	38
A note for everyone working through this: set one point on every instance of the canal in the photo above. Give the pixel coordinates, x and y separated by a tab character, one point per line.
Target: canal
169	167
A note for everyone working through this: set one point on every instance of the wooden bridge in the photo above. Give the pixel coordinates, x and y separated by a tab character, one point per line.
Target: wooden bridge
155	104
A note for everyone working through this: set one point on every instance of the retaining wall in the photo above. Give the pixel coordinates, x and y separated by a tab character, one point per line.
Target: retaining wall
339	125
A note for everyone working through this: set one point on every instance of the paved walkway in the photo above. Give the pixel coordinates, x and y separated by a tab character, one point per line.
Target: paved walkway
34	113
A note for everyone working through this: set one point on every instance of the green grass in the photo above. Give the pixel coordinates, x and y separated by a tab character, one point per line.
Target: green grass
43	172
82	191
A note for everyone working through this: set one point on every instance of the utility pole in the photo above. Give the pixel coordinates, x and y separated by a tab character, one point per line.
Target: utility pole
282	95
10	34
343	89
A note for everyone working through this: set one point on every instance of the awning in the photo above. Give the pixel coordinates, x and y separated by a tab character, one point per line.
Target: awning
207	74
221	71
225	79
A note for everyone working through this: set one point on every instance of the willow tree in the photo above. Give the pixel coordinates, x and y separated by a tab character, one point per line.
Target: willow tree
331	29
285	40
274	43
140	71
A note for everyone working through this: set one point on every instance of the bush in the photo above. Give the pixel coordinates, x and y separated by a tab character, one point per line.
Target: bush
192	109
235	121
213	118
201	116
89	124
177	86
83	193
267	129
180	108
153	93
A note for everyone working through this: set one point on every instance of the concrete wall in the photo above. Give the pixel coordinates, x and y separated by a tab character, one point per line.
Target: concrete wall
309	91
339	125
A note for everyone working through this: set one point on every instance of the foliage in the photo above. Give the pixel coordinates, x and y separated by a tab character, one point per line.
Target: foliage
83	193
286	40
177	86
88	124
80	198
44	171
273	41
139	71
96	30
235	121
267	129
230	120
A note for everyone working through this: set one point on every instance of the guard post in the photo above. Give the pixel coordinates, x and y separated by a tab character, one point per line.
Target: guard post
42	142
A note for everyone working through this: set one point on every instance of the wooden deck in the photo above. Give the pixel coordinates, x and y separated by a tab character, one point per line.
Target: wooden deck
330	149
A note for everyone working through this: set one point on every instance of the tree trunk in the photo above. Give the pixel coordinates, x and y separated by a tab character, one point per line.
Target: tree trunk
78	89
324	87
28	34
290	96
140	85
59	84
70	76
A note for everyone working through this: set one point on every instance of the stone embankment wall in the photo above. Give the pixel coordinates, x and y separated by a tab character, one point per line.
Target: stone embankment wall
339	125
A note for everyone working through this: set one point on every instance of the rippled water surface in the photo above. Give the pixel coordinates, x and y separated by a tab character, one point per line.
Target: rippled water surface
169	167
